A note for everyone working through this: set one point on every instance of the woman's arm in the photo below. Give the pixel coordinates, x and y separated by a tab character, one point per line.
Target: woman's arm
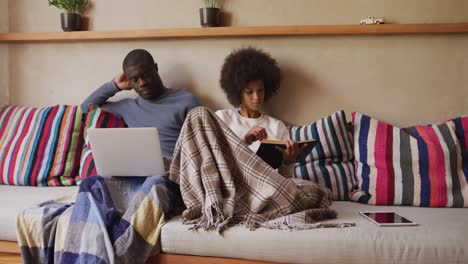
293	149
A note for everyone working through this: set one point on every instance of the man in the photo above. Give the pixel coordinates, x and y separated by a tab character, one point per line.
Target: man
156	105
119	233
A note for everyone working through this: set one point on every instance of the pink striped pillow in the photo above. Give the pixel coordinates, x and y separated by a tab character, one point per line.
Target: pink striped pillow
419	166
40	146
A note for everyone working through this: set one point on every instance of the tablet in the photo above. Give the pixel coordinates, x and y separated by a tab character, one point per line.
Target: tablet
387	219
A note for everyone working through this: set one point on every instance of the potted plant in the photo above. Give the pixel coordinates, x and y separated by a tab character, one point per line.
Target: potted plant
209	15
71	20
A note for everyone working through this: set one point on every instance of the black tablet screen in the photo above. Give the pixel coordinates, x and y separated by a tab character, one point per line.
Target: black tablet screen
387	218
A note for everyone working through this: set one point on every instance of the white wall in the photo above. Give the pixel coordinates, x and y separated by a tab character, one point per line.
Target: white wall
4	55
401	79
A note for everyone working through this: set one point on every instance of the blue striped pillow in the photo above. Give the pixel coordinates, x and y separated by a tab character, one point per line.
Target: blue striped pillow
40	146
331	162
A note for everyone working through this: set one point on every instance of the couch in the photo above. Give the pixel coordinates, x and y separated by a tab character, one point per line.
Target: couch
440	237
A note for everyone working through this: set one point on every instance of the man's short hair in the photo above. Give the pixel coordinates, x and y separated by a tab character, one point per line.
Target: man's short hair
136	57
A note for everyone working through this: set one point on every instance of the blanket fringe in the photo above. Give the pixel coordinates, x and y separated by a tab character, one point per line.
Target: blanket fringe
296	226
213	218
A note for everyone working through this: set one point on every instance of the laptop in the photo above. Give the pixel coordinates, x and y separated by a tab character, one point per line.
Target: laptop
126	152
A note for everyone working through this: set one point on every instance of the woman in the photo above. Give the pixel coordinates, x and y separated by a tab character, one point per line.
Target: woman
249	77
221	180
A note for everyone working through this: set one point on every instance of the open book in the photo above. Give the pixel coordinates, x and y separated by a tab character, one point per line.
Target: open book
268	152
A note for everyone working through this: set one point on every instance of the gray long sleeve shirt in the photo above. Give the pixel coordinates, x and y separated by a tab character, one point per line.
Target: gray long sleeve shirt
167	113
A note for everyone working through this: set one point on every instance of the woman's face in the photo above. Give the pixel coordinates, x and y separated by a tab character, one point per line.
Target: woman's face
253	95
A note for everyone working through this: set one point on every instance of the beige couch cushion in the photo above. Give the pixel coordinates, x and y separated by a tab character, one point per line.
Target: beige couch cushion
17	198
441	237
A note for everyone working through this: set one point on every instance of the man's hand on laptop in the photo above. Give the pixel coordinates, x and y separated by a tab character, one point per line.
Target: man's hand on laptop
121	82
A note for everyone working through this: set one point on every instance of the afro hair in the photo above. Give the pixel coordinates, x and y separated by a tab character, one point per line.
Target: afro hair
245	65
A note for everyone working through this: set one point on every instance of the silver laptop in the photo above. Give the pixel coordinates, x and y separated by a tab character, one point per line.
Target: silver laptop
126	151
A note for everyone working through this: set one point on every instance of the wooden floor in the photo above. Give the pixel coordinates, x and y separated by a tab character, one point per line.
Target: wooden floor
185	259
9	253
7	258
11	258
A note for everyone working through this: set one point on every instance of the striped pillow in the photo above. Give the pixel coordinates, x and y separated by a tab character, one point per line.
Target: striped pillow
331	162
96	118
419	166
40	146
461	130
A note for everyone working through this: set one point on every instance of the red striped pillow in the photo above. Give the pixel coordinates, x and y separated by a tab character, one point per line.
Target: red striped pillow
40	146
95	118
419	166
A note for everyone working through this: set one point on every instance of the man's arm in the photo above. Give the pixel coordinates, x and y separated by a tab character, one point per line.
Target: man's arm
100	96
106	91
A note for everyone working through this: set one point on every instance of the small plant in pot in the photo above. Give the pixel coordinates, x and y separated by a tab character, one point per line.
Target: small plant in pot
71	19
209	15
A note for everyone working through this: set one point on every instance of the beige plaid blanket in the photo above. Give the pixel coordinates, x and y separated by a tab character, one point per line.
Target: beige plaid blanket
224	183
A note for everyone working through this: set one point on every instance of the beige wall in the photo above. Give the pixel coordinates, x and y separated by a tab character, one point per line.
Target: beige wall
4	54
401	79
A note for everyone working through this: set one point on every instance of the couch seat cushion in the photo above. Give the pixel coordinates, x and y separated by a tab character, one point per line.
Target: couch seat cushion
17	198
441	237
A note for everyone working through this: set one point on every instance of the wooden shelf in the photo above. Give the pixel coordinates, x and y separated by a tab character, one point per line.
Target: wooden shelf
174	33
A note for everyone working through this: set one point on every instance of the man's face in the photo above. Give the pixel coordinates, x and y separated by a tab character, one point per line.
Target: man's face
145	80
